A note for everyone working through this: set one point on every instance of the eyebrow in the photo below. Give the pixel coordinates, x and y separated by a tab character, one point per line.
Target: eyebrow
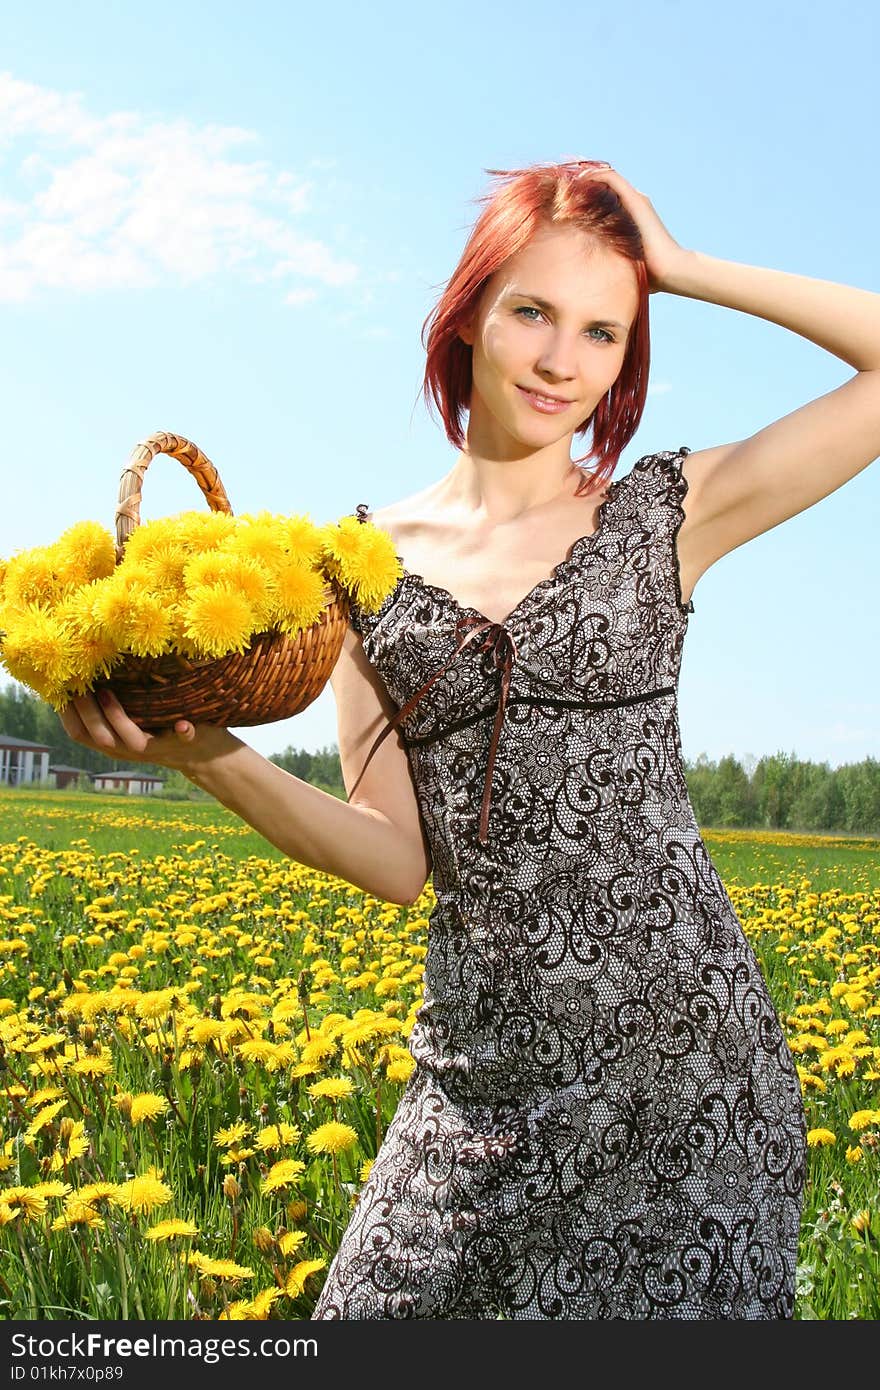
545	304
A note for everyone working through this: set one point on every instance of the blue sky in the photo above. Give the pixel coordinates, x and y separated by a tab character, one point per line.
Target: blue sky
230	222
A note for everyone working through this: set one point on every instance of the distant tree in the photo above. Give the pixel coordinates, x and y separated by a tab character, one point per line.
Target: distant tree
734	793
860	788
702	788
323	768
819	802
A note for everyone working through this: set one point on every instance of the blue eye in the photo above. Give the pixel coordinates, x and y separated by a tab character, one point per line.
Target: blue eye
530	309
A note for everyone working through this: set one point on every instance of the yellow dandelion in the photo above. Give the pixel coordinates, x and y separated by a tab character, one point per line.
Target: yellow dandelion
300	597
316	1052
92	650
112	605
291	1241
54	1188
262	1303
861	1222
146	1107
275	1136
218	620
237	1154
282	1174
299	1274
257	538
44	1117
401	1070
165	569
239	572
331	1138
219	1269
72	1143
77	1213
46	1043
8	1213
818	1137
143	540
301	538
238	1311
854	1153
205	1030
35	648
26	1200
861	1119
808	1080
94	1193
332	1088
44	1095
233	1134
156	1004
150	630
142	1194
241	1005
94	1065
32	577
257	1050
169	1230
362	557
85	551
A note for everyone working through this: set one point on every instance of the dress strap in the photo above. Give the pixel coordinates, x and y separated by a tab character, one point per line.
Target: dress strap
495	639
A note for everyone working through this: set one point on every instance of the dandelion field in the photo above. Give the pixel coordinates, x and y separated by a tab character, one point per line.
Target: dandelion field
202	1044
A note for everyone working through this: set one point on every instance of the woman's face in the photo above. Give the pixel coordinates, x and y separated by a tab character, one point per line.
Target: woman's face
554	319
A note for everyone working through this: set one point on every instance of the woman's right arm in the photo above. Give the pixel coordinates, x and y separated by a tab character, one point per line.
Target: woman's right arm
375	841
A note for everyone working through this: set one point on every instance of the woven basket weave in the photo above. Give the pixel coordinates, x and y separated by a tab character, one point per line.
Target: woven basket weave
276	677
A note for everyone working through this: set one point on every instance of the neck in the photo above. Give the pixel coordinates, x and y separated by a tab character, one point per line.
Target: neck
504	489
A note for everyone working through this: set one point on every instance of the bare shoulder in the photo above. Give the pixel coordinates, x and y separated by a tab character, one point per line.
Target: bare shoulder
406	517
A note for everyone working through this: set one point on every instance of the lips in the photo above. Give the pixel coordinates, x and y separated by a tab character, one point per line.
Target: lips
548	405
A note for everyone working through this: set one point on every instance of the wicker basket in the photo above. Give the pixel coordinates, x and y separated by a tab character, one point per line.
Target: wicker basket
276	677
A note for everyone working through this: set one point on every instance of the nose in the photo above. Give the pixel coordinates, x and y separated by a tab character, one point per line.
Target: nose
559	357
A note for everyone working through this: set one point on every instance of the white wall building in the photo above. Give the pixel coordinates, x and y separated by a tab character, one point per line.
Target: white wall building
136	783
23	762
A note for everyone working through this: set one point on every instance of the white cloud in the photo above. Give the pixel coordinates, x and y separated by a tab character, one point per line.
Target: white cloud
127	201
659	388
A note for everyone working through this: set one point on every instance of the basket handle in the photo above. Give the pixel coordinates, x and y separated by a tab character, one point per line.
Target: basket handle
128	508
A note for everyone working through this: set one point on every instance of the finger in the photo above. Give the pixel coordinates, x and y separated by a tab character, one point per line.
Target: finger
97	729
72	723
79	730
121	726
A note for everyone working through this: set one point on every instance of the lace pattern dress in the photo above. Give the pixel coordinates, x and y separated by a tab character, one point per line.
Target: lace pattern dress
604	1120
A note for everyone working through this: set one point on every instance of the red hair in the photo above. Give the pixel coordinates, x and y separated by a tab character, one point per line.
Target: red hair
531	199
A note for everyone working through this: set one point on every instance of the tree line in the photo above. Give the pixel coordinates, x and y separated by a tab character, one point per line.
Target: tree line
776	792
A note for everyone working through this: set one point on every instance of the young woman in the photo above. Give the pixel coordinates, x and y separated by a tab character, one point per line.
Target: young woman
604	1120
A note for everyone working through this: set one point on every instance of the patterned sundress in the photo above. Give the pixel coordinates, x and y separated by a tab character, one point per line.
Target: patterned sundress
604	1120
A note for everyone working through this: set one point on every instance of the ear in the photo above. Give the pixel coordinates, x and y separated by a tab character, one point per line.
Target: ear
466	332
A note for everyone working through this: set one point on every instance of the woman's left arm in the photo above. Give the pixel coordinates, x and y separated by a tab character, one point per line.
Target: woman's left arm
739	490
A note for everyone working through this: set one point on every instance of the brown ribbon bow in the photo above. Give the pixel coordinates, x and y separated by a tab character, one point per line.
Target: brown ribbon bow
496	639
